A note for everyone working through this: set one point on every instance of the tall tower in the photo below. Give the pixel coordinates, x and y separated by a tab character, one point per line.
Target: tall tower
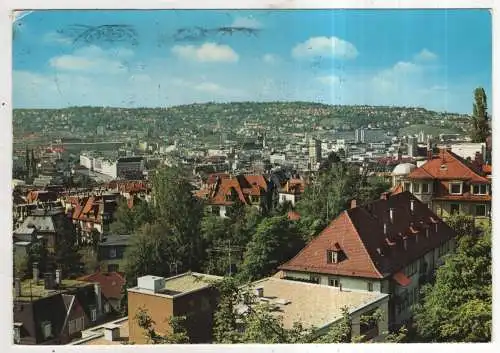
314	152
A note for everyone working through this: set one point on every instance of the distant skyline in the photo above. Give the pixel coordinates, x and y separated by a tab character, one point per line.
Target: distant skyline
428	58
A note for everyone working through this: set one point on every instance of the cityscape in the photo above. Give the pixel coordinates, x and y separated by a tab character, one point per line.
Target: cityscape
230	176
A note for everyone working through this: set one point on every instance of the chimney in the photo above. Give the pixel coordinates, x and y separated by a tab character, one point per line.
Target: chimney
429	154
391	214
49	280
58	276
111	332
353	203
405	243
412	206
340	287
97	289
259	292
17	286
385	228
36	273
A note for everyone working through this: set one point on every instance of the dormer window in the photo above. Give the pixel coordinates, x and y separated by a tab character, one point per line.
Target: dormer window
480	189
406	186
334	256
456	188
416	188
425	188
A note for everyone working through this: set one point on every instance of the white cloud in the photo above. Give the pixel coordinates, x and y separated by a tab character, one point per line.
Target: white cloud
93	59
331	47
57	38
329	80
270	58
208	87
208	52
425	55
247	22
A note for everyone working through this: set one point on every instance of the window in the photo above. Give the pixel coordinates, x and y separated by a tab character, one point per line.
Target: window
47	329
481	210
113	268
106	308
416	187
17	334
425	188
456	188
314	279
332	256
334	282
370	287
112	253
93	315
406	186
411	268
454	208
480	189
79	324
72	327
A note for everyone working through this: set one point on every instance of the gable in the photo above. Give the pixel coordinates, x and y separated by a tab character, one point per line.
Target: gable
341	231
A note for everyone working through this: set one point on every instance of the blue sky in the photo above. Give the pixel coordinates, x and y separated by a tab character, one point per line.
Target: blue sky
432	59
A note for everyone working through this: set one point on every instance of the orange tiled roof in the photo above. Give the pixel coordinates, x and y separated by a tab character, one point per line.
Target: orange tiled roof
448	166
293	216
242	186
111	282
359	233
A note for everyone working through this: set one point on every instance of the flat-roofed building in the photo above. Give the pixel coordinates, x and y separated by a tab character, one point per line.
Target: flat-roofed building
321	306
189	294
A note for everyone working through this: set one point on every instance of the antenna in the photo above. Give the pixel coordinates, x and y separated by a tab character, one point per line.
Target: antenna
229	249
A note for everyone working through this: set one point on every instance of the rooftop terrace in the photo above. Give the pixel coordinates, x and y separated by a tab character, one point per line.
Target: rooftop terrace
34	291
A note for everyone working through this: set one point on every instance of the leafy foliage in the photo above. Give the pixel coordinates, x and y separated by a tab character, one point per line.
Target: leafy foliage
275	241
480	126
178	333
462	224
457	308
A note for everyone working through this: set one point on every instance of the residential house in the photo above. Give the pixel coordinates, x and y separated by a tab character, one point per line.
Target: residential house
53	310
94	213
221	193
51	225
321	306
449	184
189	294
111	252
392	245
111	284
291	191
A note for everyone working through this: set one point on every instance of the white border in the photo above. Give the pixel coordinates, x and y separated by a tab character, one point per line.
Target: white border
6	6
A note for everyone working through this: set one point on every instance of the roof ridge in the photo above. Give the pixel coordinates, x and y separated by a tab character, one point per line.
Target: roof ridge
361	238
463	162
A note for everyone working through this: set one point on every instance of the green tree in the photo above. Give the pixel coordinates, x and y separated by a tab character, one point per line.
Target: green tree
462	224
480	126
457	308
178	334
176	207
275	241
151	252
124	220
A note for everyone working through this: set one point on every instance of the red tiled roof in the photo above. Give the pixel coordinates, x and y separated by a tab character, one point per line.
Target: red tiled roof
369	252
242	185
42	196
486	168
448	166
111	282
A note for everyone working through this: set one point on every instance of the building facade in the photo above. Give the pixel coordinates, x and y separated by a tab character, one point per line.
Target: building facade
392	245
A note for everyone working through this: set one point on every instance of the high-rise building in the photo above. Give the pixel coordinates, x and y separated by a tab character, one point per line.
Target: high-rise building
412	146
359	135
314	152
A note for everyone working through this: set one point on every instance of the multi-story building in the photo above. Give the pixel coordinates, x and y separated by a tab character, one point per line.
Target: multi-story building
191	295
111	252
314	153
448	184
391	246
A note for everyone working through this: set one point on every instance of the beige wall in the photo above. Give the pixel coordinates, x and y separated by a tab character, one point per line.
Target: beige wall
160	309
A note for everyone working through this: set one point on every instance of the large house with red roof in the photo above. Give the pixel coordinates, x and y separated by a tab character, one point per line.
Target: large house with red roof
391	245
221	191
449	184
